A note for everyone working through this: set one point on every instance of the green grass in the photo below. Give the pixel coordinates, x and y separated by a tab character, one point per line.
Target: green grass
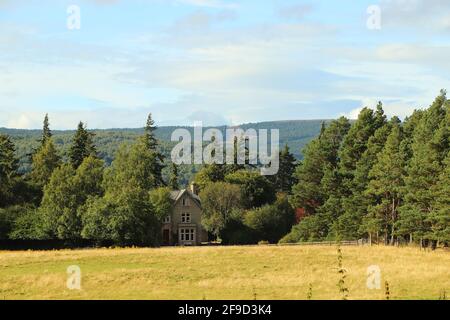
272	272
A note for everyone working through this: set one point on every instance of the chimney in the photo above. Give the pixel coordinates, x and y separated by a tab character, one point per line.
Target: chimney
194	188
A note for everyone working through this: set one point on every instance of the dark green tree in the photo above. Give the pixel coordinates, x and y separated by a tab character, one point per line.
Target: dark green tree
424	170
284	179
82	146
319	154
8	170
256	189
440	216
271	222
387	182
173	179
67	192
46	132
153	146
128	213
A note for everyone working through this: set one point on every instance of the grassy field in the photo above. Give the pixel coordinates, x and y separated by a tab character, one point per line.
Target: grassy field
261	272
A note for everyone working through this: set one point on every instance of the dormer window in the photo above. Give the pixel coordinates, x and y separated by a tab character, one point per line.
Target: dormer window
185	217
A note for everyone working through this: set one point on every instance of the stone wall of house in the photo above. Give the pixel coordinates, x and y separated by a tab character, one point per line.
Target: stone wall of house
186	205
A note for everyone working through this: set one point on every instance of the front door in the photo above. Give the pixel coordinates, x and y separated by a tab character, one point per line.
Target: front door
166	237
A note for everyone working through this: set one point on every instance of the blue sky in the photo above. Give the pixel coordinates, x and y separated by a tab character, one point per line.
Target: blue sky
218	61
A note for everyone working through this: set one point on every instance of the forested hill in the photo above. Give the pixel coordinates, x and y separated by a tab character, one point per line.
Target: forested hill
296	133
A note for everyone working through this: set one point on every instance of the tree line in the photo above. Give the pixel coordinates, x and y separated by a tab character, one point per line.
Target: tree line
82	198
384	180
79	197
375	178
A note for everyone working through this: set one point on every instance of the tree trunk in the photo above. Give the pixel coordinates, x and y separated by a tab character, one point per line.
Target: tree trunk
393	221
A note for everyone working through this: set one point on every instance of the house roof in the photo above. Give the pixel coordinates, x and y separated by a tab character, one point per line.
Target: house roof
177	194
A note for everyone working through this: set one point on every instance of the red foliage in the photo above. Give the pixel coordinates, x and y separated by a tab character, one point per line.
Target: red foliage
300	213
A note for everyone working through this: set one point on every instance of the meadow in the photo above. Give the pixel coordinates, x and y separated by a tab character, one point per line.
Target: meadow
253	272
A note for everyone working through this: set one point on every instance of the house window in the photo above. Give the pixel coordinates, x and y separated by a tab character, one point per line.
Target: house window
187	234
185	217
185	202
166	219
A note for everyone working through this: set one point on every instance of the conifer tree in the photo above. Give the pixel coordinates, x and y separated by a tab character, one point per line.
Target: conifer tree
82	146
355	162
46	132
319	154
8	169
387	181
284	179
440	215
173	180
152	145
150	138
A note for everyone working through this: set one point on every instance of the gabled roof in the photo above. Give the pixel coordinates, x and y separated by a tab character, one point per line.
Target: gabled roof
177	194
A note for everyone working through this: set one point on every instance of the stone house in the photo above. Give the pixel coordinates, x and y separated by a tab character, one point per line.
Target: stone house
183	225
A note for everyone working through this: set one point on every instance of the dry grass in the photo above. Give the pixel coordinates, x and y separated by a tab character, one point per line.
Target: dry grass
223	273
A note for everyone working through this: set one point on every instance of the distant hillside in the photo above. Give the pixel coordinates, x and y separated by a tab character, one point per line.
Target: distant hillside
296	133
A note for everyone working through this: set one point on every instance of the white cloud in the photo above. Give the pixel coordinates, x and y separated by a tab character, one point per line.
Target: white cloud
23	121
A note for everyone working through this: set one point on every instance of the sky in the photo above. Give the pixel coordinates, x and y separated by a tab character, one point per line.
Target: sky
217	61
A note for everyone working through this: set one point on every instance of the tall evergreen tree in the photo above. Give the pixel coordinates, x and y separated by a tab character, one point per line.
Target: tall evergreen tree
82	146
440	215
173	179
353	170
423	171
152	145
46	132
319	154
387	181
150	138
8	169
284	179
356	142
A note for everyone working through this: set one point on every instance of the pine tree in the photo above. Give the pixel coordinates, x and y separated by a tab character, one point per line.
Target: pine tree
423	171
319	154
440	216
356	143
150	138
82	146
284	179
152	145
46	132
353	169
8	169
173	181
387	181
